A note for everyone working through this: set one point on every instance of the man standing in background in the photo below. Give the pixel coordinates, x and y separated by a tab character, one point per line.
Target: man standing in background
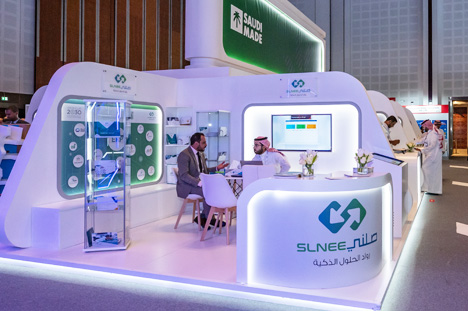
441	133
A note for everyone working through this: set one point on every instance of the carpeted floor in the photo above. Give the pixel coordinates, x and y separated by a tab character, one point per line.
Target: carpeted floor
433	270
432	273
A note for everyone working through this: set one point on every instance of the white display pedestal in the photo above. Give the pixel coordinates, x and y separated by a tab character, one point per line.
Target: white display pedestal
414	160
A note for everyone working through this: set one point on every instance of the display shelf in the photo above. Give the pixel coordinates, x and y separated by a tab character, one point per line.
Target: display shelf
216	127
107	179
180	133
179	126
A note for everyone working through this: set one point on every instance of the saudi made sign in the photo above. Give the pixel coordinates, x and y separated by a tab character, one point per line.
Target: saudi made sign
257	33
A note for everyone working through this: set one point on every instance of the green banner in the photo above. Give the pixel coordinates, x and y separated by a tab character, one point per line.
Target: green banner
257	33
145	143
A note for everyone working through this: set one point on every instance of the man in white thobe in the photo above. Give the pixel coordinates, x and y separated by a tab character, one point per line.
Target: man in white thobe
270	156
437	125
432	160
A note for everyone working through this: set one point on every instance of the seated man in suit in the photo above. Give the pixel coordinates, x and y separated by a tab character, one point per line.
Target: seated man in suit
191	162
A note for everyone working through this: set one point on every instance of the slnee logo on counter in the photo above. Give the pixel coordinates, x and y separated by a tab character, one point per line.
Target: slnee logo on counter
334	221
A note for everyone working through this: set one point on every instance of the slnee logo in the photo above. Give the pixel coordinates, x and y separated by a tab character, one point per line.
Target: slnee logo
120	78
299	83
334	221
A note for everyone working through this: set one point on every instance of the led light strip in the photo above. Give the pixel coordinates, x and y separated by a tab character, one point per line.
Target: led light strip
459	183
133	281
457	166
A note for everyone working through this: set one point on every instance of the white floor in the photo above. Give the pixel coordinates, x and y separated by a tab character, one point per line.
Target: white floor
158	251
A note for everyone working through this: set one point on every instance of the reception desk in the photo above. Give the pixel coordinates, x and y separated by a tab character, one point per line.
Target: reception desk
314	233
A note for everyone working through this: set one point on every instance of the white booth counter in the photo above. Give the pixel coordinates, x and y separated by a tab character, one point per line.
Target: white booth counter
314	233
415	176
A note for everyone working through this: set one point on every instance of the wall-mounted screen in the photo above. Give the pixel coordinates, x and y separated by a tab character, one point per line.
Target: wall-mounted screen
302	132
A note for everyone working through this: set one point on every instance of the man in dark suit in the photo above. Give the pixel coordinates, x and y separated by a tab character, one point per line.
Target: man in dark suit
191	162
11	114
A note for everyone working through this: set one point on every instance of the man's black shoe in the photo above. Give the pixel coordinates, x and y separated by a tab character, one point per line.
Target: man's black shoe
213	222
203	222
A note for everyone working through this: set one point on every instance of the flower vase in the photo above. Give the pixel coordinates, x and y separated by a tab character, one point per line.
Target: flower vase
308	170
362	169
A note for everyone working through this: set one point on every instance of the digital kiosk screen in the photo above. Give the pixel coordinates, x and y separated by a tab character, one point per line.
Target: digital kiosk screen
387	159
302	132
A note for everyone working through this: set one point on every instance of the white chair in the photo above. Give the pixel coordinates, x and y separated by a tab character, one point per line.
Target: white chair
218	194
195	199
251	173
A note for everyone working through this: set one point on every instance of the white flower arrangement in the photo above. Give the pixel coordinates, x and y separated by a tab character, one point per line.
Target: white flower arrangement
410	146
363	157
308	158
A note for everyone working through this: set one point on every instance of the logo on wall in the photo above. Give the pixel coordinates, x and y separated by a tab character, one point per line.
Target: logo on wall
299	83
334	221
120	78
246	25
237	19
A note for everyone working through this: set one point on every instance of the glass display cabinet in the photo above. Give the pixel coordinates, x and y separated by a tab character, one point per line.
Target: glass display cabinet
216	127
107	175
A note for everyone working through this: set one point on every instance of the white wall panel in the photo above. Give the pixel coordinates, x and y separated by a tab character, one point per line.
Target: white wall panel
17	46
386	48
451	64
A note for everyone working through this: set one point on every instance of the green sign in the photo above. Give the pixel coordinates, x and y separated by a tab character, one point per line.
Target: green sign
257	33
144	144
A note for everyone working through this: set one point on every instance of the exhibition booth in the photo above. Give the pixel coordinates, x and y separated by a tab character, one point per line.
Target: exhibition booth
50	219
331	238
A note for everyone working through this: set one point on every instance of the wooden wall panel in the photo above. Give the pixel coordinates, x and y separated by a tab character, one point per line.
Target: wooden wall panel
72	42
184	61
161	39
136	35
89	29
121	34
106	31
49	57
175	34
460	127
151	33
164	28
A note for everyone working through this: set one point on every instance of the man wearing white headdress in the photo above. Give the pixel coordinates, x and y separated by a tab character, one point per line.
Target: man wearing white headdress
270	156
437	125
432	161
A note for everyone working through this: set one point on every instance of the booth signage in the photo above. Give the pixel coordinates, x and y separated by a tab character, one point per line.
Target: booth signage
424	108
299	87
118	85
257	33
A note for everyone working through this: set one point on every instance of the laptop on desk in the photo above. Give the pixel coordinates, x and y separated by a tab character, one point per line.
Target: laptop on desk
250	163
